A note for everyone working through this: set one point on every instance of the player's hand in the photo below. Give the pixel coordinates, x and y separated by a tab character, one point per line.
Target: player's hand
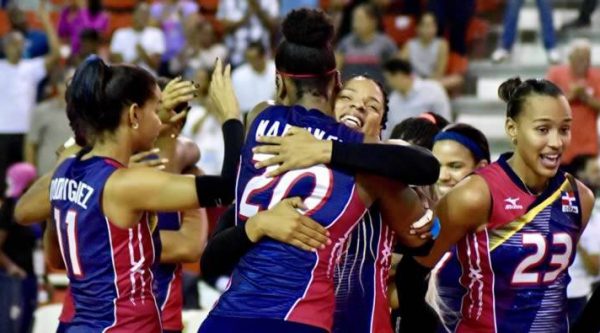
143	160
284	223
221	93
297	149
176	91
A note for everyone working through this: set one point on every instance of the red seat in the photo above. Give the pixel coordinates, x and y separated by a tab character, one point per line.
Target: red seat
399	27
4	26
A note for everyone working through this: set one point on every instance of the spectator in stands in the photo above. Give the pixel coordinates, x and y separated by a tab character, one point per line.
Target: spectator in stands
246	21
18	282
77	17
36	42
253	81
203	126
586	9
427	53
586	266
49	127
412	96
170	15
140	44
453	17
581	84
511	17
90	42
20	78
366	48
201	50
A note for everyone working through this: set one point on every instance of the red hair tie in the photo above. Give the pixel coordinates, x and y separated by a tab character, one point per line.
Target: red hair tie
306	76
428	116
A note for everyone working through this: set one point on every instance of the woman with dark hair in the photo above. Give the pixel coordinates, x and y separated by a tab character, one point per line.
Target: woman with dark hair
420	130
515	223
275	286
366	47
97	201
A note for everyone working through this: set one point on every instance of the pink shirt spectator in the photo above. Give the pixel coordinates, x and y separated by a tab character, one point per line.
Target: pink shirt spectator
71	24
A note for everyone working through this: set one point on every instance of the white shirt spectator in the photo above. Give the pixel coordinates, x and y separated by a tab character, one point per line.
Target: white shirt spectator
581	279
236	42
205	130
251	87
18	86
425	95
124	42
49	130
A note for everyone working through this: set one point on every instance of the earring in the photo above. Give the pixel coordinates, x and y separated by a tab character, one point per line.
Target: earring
135	126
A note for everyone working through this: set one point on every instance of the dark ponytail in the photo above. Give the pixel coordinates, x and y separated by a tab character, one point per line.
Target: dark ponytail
306	53
98	93
514	93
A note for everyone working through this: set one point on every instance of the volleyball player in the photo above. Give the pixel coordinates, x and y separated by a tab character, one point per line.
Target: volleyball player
101	208
516	224
461	149
276	287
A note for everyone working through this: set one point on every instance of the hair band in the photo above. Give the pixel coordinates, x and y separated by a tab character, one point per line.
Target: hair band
463	140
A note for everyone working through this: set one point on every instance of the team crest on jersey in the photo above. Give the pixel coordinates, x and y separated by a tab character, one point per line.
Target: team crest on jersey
512	204
569	203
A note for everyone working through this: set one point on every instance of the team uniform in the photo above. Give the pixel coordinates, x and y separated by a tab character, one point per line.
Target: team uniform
109	268
512	275
362	305
168	281
277	287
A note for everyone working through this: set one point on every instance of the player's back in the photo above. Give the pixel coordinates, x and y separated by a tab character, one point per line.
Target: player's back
108	266
276	280
168	280
514	272
362	305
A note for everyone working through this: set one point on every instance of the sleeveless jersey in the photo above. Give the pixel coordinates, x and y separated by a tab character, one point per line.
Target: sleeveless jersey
362	305
513	274
279	281
109	268
168	280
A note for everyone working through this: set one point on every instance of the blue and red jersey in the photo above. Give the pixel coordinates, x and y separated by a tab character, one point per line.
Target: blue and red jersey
513	273
275	280
362	305
168	280
109	268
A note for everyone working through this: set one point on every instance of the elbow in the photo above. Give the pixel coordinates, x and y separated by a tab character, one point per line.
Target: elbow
20	214
191	253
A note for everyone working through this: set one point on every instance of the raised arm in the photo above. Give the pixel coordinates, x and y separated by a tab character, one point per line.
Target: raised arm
299	149
54	56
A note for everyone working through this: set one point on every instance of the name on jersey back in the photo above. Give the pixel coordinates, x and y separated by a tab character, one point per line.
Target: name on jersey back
67	189
274	128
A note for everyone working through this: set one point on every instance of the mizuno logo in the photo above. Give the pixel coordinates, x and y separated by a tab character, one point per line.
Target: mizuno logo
512	204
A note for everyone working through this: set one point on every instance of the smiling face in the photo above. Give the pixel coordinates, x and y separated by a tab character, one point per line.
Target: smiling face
542	133
456	162
361	105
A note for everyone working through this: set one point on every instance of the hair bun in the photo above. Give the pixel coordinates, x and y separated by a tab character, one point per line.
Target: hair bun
507	88
308	27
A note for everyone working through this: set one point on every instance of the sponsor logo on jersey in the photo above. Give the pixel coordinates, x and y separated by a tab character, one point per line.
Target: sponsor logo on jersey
512	204
569	203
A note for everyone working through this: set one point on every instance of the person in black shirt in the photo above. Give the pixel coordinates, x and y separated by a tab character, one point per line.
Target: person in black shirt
18	284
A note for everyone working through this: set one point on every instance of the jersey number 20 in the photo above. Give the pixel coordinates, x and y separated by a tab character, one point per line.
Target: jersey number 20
283	184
